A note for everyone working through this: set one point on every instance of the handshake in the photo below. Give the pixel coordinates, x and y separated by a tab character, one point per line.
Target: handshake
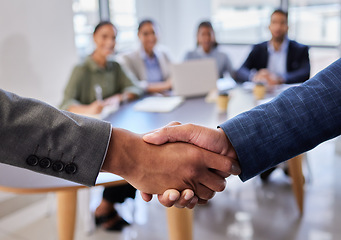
183	164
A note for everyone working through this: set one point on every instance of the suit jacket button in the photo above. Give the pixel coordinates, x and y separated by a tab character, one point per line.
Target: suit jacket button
71	168
58	166
32	160
45	162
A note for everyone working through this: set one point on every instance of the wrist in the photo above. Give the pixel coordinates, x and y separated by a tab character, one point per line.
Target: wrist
229	151
114	153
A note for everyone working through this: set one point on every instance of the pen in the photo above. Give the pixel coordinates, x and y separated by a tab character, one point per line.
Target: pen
98	91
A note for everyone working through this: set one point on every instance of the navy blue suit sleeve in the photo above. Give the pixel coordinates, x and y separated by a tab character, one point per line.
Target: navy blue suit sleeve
296	121
302	72
256	60
243	73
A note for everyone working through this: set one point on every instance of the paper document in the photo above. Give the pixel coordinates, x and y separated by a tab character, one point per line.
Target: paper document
107	110
158	104
226	83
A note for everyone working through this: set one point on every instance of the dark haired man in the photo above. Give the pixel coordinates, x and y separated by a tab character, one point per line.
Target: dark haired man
279	60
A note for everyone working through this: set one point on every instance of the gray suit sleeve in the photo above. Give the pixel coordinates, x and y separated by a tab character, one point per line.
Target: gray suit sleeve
39	137
296	121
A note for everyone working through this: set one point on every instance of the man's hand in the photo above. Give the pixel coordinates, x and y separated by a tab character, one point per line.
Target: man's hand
213	140
264	76
94	108
210	139
154	169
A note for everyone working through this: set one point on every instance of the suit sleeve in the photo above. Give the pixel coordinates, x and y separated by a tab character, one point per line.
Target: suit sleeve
296	121
39	137
303	72
244	72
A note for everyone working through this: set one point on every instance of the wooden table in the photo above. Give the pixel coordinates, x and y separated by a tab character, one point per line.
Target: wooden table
22	181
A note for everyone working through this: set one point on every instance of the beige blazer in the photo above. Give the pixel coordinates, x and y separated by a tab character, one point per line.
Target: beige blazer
134	63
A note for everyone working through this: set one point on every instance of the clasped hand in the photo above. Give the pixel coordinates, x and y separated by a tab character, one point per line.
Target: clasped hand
213	140
195	161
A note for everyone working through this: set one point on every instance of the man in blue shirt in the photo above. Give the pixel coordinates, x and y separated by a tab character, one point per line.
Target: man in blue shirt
279	60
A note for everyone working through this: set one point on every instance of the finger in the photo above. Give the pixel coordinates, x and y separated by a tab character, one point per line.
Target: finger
146	197
181	133
220	173
222	163
100	103
204	192
169	197
193	203
212	181
202	201
185	199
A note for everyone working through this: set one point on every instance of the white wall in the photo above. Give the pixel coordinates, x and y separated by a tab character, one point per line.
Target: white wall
37	51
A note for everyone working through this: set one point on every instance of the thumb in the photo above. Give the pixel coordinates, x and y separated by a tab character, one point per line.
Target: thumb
161	135
179	133
156	138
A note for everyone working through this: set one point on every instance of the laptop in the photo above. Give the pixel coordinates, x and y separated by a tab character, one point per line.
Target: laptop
194	78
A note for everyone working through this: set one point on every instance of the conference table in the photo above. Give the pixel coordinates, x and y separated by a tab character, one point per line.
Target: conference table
200	111
193	110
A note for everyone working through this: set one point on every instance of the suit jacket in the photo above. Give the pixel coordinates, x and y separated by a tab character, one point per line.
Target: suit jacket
296	121
298	65
134	63
41	138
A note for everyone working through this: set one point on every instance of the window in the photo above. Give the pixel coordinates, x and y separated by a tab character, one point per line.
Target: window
315	22
311	22
242	22
86	17
123	15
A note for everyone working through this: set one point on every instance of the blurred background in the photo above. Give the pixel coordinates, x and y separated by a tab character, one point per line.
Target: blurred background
41	41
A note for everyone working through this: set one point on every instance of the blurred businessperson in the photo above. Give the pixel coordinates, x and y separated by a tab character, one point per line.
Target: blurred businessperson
279	60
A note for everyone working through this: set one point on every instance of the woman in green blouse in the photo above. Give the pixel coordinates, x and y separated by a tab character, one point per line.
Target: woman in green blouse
81	97
80	93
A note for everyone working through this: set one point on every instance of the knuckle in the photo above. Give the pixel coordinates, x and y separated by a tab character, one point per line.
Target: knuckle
226	166
174	123
209	195
193	173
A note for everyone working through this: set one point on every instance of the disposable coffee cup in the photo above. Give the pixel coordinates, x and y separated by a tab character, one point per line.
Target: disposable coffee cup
259	91
222	102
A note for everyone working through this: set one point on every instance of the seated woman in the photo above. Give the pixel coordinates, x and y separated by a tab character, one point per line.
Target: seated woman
207	47
80	97
150	65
